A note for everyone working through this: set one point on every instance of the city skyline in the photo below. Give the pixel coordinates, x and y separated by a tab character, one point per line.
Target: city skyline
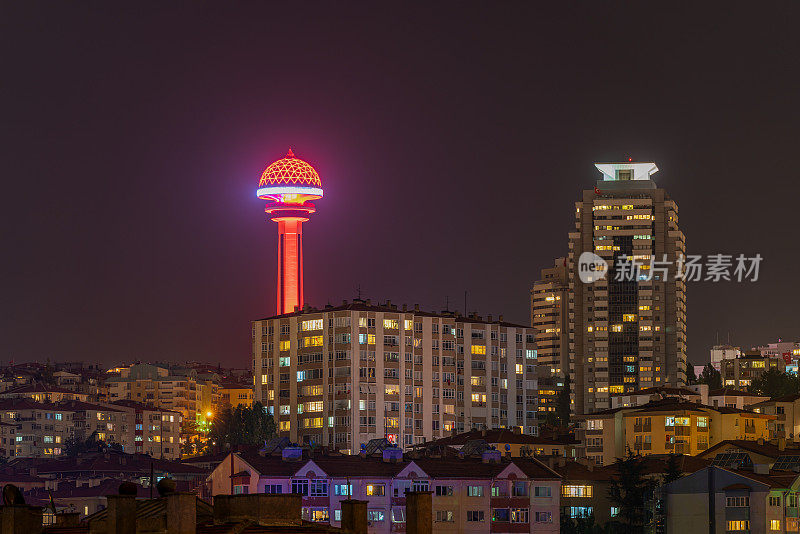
148	230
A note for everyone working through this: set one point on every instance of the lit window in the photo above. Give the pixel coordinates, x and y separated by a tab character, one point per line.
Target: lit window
519	368
390	323
478	349
312	341
285	344
376	490
576	491
314	324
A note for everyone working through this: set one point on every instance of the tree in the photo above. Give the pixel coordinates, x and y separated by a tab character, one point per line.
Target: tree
711	377
672	471
691	378
243	425
632	493
775	383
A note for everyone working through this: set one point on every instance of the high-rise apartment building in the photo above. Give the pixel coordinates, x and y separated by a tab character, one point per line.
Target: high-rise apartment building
626	333
549	319
343	375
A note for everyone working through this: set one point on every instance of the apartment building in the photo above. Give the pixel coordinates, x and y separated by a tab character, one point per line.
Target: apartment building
667	426
723	352
341	376
549	319
235	394
472	494
786	410
39	392
153	431
740	372
42	429
626	333
724	500
172	388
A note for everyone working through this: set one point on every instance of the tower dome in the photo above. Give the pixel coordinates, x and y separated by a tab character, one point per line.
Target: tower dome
289	176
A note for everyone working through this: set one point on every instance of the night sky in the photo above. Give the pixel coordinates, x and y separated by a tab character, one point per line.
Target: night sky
452	142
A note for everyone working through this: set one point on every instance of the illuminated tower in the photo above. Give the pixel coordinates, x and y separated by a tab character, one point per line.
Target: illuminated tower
289	185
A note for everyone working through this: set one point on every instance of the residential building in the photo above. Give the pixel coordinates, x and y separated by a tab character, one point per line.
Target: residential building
585	487
39	392
469	494
235	394
733	398
511	442
343	375
549	319
666	426
725	501
643	396
723	352
172	388
42	429
626	333
154	431
740	372
786	410
699	393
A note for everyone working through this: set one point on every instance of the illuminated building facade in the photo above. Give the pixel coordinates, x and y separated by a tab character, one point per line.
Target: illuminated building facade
289	185
626	335
343	375
549	319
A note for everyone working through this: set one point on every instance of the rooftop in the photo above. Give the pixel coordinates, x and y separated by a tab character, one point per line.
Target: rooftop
388	307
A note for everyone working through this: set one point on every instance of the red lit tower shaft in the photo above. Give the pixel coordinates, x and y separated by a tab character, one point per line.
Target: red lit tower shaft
290	263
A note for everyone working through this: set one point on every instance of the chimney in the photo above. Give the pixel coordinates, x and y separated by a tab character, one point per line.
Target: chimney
490	319
121	514
416	307
388	303
500	318
354	516
419	514
181	513
369	302
21	519
344	302
405	307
